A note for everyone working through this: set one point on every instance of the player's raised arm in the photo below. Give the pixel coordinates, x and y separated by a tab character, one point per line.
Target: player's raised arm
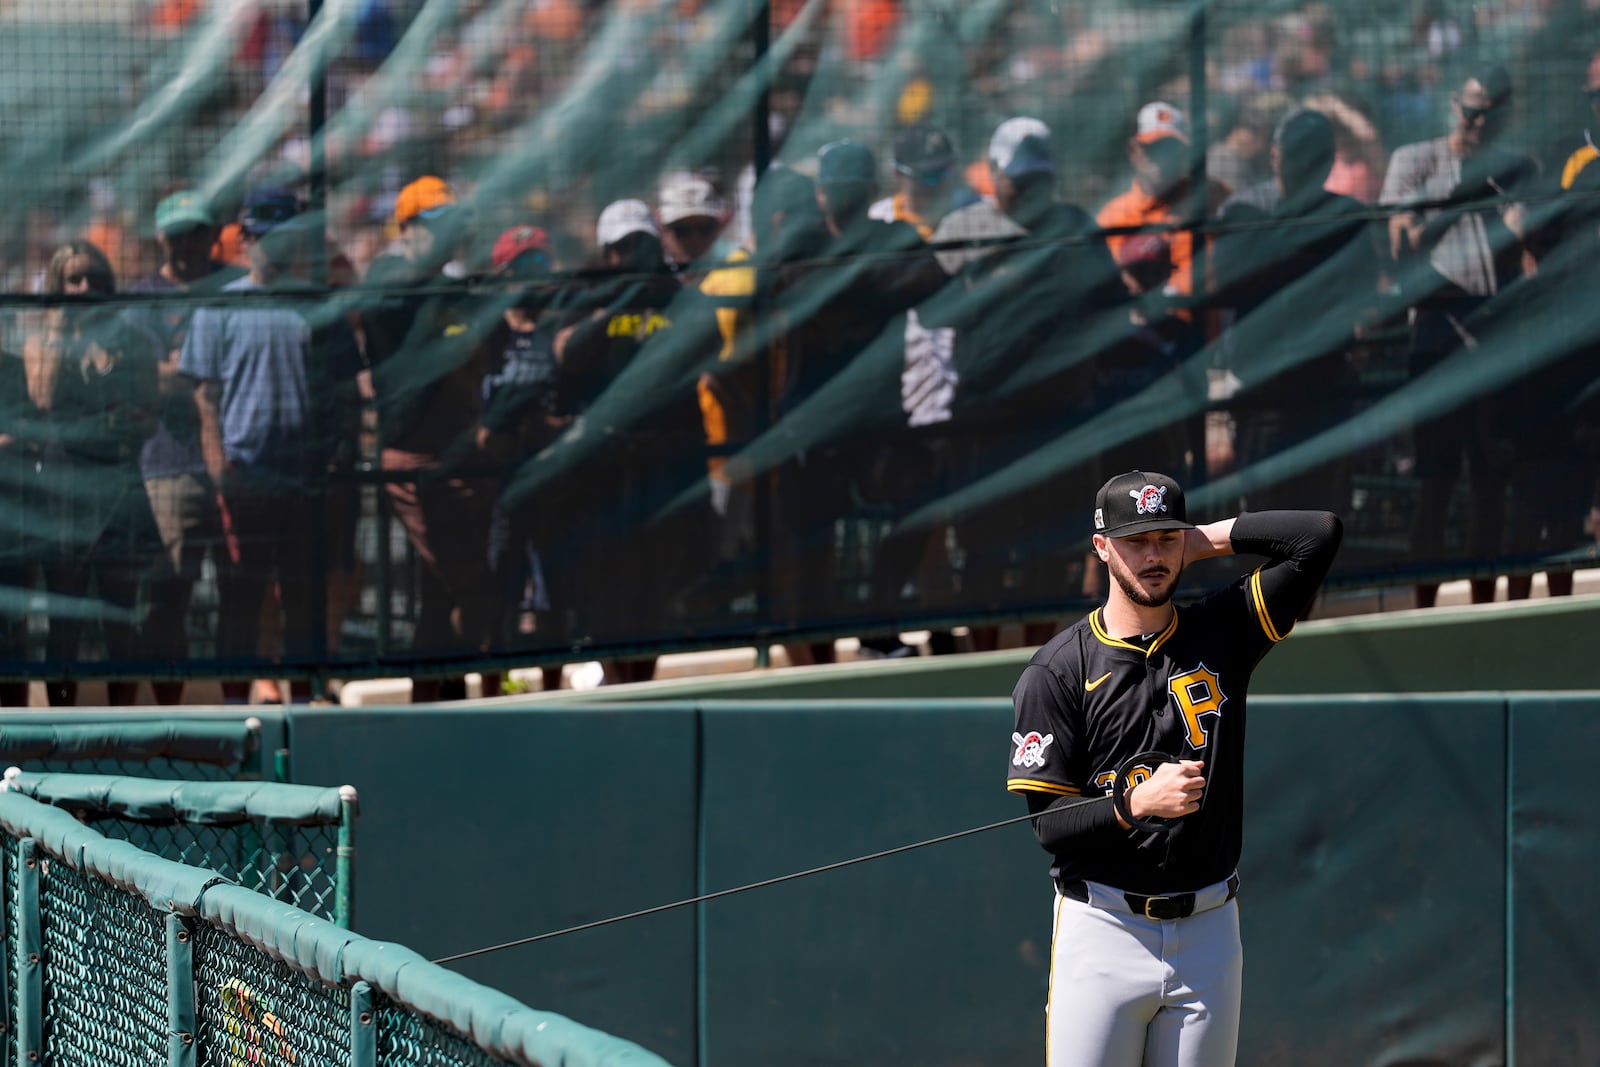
1300	546
1209	540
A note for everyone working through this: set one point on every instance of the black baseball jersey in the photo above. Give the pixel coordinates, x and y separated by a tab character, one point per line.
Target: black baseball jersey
1088	701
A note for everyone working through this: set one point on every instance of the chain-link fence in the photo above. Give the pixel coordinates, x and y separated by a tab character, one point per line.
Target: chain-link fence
293	843
363	336
116	956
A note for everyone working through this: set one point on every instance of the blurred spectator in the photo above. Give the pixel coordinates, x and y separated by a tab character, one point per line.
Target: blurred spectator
871	272
1457	241
915	463
1240	157
92	380
633	561
1299	379
21	539
523	414
1359	157
1029	318
1308	54
1549	415
1569	161
268	376
182	496
1149	365
427	375
738	390
108	228
927	180
692	214
1158	345
1160	193
729	395
869	27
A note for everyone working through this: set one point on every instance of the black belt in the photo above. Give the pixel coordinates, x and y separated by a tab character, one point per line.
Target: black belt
1172	906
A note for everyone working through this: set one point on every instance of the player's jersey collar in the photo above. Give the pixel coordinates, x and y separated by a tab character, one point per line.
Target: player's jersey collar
1099	629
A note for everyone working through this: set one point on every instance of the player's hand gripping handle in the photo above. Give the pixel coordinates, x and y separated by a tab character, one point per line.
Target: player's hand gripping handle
1172	791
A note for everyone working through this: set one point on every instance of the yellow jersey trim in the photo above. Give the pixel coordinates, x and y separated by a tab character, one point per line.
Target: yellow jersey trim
1575	164
1117	642
1033	785
1260	601
731	279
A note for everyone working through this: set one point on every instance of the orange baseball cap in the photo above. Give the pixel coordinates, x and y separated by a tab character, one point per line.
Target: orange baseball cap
427	198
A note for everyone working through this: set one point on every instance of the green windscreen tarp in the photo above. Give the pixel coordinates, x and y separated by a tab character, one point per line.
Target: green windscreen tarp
385	336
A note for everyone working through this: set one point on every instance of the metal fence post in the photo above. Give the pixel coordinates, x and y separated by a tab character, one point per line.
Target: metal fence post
181	1021
250	769
30	965
6	906
363	1027
344	866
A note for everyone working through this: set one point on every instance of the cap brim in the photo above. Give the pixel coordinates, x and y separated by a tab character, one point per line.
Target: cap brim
1022	170
184	222
617	238
1128	529
1152	136
670	217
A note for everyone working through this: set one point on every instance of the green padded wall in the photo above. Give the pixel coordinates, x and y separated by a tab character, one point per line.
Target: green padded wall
1374	902
484	826
936	957
1373	882
1555	892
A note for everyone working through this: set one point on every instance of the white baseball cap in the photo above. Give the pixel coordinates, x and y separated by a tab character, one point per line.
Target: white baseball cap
622	218
1022	146
1159	119
688	196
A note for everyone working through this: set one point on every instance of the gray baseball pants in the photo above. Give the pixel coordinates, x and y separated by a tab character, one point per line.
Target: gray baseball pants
1128	991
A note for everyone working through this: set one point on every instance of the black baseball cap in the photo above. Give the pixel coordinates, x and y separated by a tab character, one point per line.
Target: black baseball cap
1138	502
923	150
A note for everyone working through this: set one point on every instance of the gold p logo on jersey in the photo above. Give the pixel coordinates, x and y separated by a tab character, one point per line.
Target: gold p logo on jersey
1198	692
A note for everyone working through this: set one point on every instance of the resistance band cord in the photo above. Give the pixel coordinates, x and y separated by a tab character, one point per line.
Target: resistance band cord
595	925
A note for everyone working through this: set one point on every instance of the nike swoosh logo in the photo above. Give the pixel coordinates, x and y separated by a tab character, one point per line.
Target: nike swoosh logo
1089	687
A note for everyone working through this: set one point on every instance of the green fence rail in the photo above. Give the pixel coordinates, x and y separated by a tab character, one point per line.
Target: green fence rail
116	956
191	748
294	843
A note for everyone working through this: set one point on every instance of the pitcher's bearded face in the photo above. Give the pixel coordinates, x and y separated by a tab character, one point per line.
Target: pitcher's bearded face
1146	566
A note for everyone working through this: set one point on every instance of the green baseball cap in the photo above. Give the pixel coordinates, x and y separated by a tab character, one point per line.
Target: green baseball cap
846	163
183	211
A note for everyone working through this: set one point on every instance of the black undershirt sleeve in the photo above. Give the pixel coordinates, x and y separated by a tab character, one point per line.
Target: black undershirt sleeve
1072	822
1300	545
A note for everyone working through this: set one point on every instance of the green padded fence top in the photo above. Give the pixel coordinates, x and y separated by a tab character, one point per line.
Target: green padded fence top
498	1024
190	740
166	885
205	803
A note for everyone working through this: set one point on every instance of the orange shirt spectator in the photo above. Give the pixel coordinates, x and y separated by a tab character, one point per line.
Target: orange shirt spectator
229	248
870	27
1159	195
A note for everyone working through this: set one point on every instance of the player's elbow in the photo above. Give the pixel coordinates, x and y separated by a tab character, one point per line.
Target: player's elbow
1324	533
1328	529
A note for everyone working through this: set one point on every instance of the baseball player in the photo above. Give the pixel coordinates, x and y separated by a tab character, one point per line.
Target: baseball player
1145	958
